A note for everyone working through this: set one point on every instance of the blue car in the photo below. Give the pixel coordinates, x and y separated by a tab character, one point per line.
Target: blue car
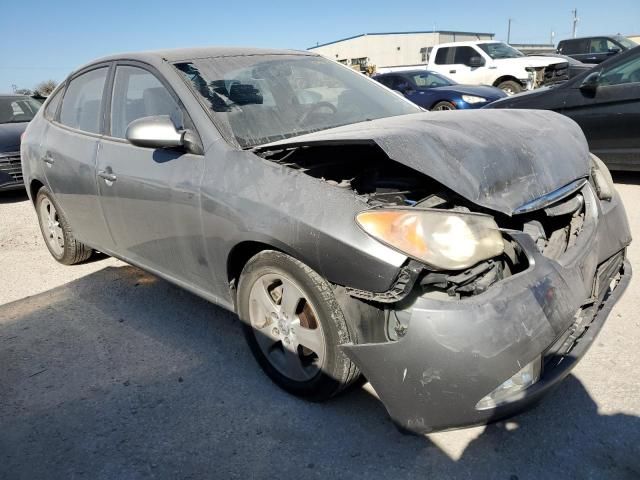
433	91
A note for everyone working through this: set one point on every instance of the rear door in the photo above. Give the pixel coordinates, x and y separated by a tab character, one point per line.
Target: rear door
610	116
69	155
150	197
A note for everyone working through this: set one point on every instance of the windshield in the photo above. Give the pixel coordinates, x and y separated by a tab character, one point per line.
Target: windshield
257	99
17	109
626	43
430	79
500	50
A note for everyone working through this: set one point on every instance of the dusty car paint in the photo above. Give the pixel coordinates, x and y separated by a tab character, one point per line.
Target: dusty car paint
500	172
193	219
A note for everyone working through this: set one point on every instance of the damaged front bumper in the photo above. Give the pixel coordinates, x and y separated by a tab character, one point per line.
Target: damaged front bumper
456	352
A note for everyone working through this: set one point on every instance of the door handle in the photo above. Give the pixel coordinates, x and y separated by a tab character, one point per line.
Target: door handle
48	159
452	71
108	176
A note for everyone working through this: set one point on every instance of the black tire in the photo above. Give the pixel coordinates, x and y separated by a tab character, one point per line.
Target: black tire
510	87
441	106
72	251
338	371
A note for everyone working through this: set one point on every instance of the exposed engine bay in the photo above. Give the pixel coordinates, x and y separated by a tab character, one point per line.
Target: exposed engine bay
369	173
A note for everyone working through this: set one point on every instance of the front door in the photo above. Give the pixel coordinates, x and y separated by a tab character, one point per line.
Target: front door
610	116
150	197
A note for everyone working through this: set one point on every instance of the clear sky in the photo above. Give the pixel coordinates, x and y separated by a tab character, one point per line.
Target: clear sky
43	40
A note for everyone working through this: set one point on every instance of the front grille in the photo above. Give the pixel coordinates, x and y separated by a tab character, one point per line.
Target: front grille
10	163
556	228
558	72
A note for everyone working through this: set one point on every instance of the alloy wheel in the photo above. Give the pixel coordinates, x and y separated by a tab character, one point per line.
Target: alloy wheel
51	228
286	327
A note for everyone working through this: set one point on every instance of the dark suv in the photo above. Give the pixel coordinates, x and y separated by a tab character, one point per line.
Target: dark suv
594	49
15	113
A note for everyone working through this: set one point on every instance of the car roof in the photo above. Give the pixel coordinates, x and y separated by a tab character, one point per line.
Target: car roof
468	43
590	36
409	72
177	54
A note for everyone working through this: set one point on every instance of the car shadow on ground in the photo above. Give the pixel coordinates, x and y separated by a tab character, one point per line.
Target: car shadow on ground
122	375
13	196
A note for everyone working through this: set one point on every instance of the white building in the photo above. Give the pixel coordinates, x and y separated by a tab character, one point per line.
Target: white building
390	50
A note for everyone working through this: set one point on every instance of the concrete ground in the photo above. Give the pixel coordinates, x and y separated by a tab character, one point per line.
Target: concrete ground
108	372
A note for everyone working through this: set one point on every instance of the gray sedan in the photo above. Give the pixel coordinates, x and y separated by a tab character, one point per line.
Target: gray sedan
462	261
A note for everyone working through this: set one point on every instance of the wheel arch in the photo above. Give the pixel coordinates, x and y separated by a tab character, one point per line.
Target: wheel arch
505	78
34	187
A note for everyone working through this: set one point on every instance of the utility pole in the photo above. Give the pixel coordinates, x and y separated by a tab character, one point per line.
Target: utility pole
575	21
553	37
509	31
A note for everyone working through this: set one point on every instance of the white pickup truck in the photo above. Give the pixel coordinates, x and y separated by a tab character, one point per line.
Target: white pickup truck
496	63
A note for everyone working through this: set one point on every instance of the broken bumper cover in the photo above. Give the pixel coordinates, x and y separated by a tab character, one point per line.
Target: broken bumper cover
454	353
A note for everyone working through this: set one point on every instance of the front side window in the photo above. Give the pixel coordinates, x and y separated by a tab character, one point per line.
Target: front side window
82	102
602	45
627	72
430	79
500	50
18	109
137	93
463	55
256	99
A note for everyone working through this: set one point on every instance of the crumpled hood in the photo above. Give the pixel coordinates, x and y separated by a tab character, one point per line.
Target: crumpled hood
498	159
10	136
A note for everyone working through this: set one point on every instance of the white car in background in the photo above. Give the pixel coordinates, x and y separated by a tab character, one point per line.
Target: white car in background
497	64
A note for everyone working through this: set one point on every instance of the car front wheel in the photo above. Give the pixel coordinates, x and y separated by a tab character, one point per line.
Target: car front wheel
441	106
295	326
56	232
510	87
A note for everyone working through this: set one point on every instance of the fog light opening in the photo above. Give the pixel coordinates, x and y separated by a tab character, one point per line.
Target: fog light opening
513	389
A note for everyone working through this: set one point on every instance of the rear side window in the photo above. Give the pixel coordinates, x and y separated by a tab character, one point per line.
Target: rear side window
137	93
82	102
442	55
573	47
52	106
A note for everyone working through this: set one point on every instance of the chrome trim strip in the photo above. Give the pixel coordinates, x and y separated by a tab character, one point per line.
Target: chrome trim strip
551	197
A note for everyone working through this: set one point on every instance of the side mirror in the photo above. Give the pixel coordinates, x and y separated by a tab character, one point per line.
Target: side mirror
590	83
614	50
155	132
476	62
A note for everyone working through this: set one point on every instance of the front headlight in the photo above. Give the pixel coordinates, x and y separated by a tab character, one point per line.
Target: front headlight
602	179
441	239
473	99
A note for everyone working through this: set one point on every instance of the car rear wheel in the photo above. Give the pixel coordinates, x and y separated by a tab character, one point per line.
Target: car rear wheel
441	106
294	326
57	235
510	87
